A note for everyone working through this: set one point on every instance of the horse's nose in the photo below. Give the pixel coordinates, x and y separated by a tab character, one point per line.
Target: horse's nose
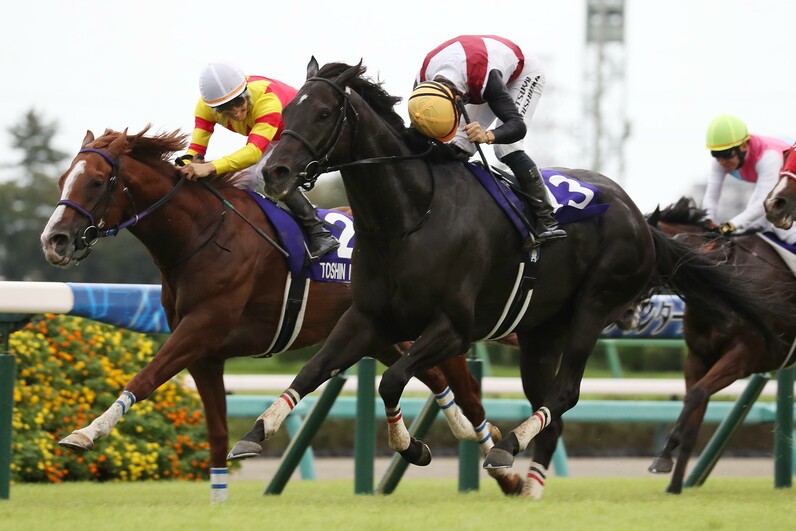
275	173
57	242
774	207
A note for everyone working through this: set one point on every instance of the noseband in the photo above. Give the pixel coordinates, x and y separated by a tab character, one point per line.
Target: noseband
96	230
319	164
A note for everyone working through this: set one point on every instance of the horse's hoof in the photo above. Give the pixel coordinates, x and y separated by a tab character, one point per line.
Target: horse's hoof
661	465
77	442
674	489
512	485
498	458
244	450
418	453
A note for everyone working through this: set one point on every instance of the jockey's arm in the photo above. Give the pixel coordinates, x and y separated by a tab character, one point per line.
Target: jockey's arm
497	96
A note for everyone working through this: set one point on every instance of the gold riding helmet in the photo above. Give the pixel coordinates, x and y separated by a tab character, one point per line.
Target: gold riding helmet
433	111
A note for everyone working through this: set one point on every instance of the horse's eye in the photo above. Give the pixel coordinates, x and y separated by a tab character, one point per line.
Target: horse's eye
324	114
96	184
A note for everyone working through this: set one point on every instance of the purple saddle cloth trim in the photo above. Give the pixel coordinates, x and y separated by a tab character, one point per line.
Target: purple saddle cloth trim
774	238
331	267
576	200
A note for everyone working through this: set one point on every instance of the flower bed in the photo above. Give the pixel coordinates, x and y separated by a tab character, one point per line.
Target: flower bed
70	370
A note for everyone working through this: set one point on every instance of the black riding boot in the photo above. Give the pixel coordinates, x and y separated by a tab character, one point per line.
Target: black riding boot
531	183
321	240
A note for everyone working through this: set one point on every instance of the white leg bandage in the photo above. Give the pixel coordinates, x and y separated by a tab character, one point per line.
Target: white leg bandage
103	425
397	435
526	431
275	415
534	481
459	425
219	478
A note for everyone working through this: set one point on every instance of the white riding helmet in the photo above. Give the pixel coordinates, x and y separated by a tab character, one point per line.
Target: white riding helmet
220	83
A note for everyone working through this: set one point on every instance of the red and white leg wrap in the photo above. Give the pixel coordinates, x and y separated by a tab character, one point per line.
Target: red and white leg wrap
526	431
275	415
534	481
398	436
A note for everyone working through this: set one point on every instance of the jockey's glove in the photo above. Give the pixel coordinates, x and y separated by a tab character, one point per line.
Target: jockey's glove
727	228
183	161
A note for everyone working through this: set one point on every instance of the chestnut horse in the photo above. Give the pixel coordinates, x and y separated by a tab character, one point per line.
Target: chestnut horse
718	356
222	282
437	262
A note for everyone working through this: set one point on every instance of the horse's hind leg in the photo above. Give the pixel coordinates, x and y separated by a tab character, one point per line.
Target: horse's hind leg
694	370
733	364
586	324
350	340
538	361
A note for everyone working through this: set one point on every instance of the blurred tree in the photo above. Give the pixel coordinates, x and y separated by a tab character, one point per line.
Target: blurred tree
26	202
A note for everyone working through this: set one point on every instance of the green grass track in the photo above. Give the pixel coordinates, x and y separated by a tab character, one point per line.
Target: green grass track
569	504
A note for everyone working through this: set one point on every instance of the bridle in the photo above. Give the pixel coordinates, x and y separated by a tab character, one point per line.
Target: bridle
96	229
319	164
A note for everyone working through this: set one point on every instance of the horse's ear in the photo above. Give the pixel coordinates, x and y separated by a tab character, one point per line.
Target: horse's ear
312	67
344	78
653	218
88	139
116	147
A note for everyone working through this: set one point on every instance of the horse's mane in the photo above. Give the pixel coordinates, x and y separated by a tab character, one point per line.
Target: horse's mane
146	148
684	212
371	91
156	149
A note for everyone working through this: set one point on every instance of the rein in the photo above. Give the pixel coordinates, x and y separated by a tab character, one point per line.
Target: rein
728	241
487	167
257	229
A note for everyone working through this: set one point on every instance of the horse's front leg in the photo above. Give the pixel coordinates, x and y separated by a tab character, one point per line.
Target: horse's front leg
351	340
437	343
179	350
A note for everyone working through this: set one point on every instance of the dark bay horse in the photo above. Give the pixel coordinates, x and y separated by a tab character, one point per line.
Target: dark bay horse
719	355
222	283
781	200
436	261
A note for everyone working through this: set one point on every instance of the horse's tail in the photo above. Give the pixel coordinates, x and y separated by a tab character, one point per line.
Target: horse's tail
713	288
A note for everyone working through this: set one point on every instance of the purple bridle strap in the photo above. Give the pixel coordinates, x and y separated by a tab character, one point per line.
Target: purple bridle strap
101	153
78	208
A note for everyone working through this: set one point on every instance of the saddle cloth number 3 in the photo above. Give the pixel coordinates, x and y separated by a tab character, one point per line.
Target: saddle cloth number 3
574	188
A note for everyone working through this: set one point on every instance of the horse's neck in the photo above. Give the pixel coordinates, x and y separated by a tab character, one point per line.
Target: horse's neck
168	230
388	196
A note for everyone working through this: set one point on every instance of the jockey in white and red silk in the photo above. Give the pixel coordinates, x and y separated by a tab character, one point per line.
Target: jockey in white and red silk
789	168
499	84
250	106
752	158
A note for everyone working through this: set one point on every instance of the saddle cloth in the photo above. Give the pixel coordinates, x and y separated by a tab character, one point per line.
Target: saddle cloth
572	200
